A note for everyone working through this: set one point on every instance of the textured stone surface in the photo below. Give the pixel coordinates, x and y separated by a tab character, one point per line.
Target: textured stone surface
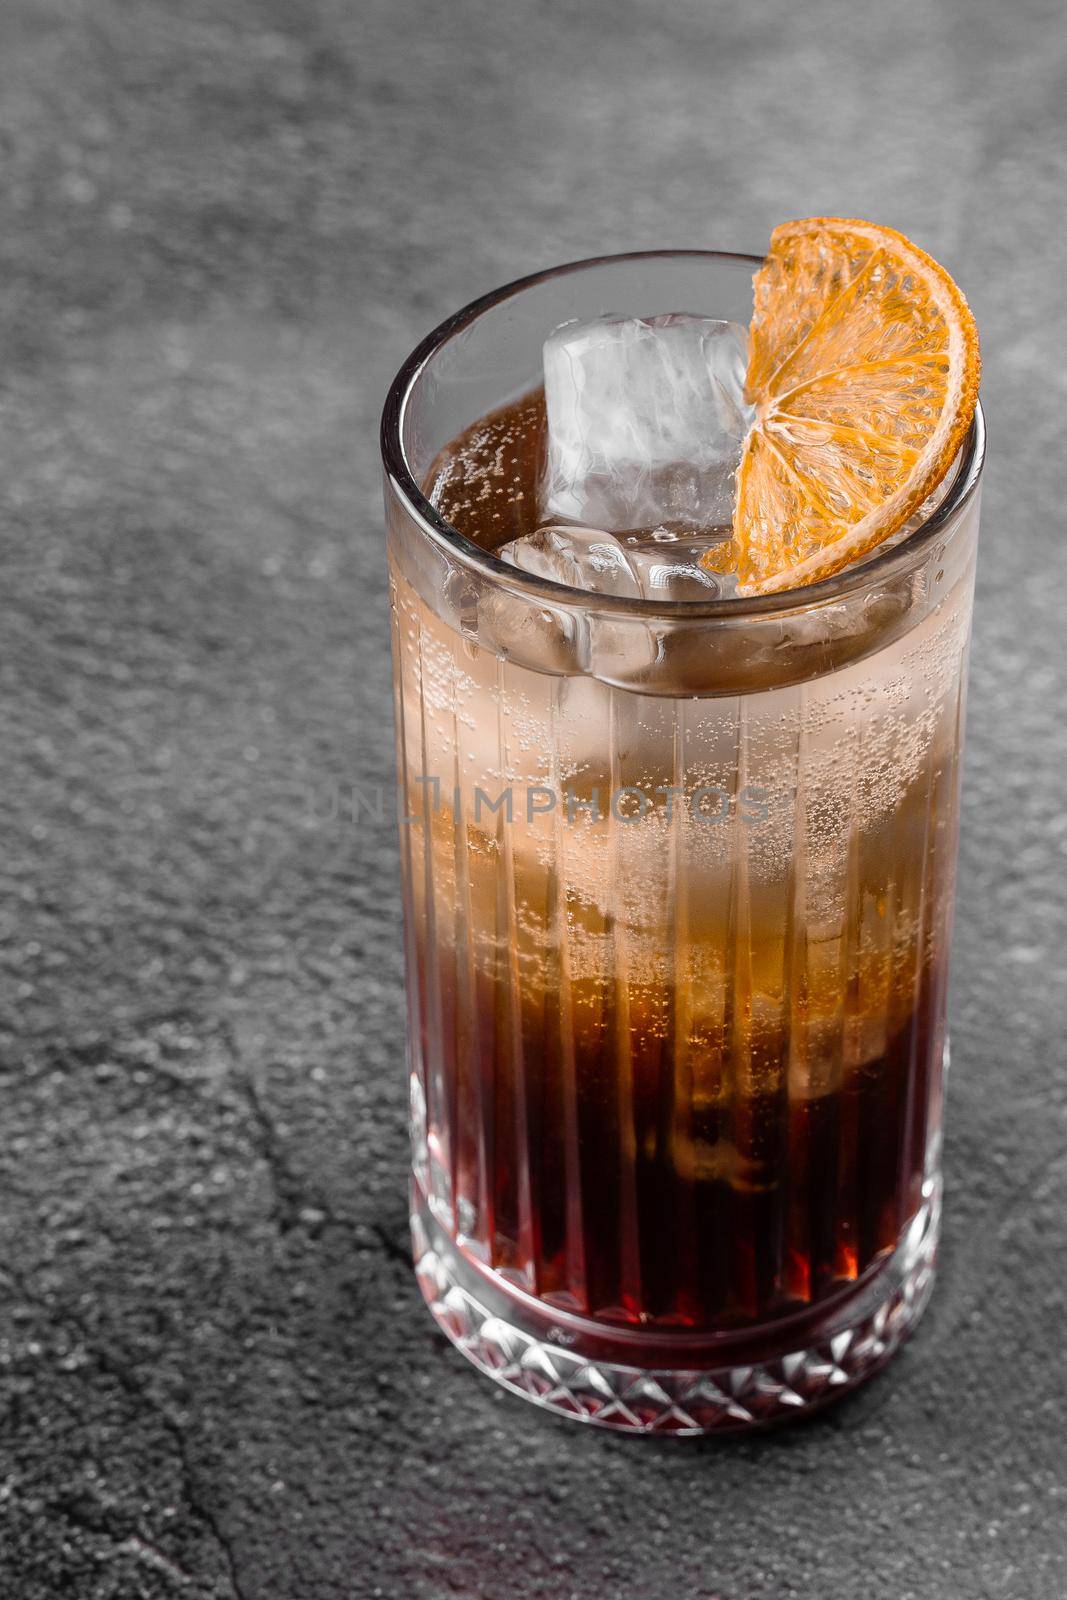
224	223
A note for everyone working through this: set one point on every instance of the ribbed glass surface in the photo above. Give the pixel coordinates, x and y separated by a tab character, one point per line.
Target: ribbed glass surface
679	1068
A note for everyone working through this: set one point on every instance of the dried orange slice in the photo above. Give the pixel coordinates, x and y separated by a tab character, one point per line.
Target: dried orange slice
863	368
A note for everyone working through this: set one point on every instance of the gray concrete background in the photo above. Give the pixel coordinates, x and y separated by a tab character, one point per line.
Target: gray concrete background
224	223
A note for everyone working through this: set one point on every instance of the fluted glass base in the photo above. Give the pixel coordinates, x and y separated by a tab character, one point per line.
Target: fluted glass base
669	1382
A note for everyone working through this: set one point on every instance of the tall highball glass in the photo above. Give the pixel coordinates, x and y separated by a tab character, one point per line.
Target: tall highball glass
678	885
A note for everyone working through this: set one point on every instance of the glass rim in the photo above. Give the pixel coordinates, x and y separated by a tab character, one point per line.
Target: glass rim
900	557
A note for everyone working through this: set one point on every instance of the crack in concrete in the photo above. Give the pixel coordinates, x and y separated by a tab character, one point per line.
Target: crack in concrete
291	1195
390	1247
296	1199
300	1202
125	1376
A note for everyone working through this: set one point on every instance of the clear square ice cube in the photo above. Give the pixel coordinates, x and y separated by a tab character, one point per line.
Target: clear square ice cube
646	417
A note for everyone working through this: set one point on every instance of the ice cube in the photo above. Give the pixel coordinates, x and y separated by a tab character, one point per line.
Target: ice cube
662	565
667	566
583	558
646	416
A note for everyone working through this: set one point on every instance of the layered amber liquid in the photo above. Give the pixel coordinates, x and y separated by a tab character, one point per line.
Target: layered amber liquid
681	1069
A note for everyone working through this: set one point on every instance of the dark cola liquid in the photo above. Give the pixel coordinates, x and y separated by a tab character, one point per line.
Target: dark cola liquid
616	1191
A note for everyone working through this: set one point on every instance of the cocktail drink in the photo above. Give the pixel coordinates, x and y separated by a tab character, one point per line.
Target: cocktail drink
678	836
